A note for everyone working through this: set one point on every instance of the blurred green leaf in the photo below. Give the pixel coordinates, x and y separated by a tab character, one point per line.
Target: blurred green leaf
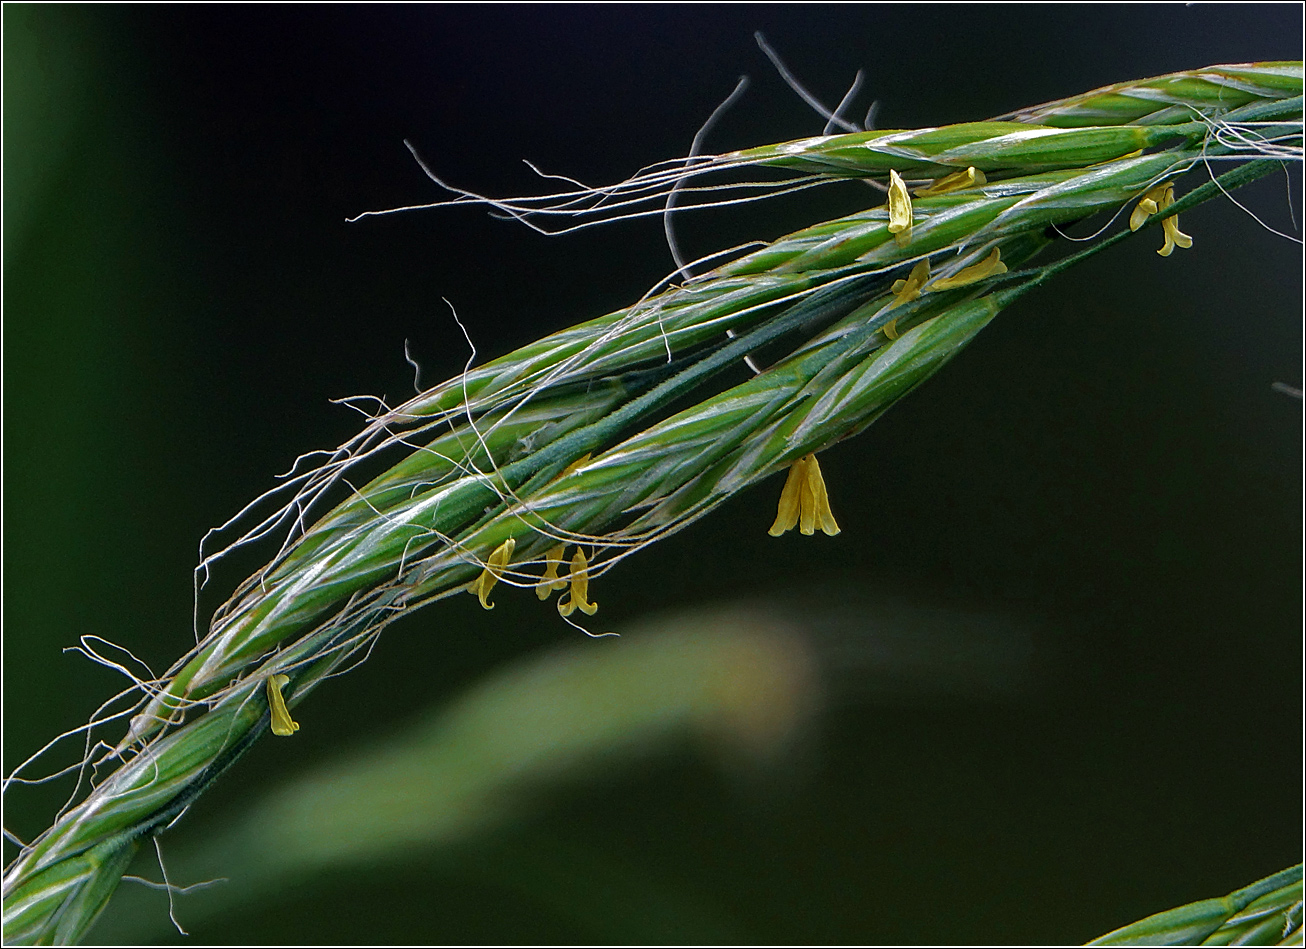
736	685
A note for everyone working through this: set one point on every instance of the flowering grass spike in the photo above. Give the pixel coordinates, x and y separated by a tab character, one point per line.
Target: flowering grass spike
621	430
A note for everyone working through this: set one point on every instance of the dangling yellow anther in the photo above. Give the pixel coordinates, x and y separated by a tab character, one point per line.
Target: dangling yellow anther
990	266
580	588
282	724
899	208
1173	236
954	182
1147	206
804	501
494	566
906	291
550	582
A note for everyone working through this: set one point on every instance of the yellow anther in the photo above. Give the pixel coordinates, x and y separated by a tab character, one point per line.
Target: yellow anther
550	582
804	501
786	515
1111	161
1147	206
990	266
494	566
907	291
954	182
910	289
580	588
1173	236
575	465
282	724
899	208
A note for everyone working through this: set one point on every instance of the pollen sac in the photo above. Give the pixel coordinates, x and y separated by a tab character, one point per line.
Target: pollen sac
1173	236
494	567
910	289
1147	206
550	582
1145	209
990	266
580	587
576	465
282	724
899	207
815	503
804	502
956	181
786	515
905	292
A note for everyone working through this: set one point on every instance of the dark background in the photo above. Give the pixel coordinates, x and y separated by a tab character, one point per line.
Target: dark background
1107	463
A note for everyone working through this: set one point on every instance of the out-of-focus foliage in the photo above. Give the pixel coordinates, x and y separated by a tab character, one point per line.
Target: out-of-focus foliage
740	687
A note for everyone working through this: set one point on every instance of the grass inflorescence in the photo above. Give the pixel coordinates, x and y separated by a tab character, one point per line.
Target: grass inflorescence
544	468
